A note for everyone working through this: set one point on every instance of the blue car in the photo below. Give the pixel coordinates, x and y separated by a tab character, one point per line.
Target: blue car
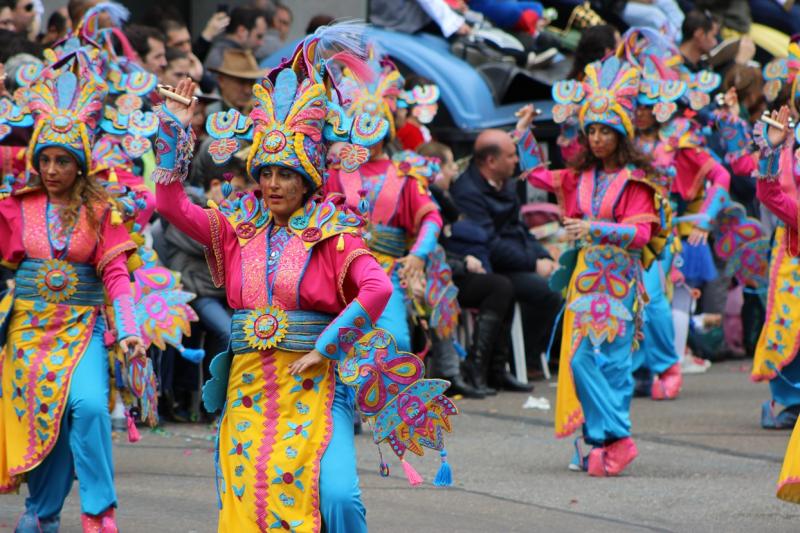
472	98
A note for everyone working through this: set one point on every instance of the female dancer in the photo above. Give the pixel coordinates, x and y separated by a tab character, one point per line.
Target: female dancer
69	256
304	289
608	204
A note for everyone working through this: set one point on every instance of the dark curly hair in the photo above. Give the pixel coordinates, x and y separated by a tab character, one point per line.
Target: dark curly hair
627	153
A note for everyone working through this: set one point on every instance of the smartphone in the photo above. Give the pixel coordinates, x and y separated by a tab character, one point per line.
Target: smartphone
223	8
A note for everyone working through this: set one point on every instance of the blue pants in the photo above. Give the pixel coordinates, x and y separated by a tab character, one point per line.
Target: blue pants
216	320
604	386
656	351
340	497
782	392
394	318
83	447
660	15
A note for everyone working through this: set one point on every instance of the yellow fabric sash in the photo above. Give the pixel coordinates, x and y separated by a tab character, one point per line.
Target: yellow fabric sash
779	340
272	436
45	343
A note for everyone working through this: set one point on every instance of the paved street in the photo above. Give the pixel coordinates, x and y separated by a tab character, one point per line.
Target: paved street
704	465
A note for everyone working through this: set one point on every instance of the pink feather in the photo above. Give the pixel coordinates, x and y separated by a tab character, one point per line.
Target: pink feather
358	68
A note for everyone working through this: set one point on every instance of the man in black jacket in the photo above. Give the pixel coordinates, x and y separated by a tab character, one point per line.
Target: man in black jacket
486	194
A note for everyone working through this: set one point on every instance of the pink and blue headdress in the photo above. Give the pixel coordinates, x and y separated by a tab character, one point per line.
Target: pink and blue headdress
368	99
289	124
660	86
782	71
607	95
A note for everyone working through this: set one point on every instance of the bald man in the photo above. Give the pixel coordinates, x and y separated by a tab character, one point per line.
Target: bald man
487	195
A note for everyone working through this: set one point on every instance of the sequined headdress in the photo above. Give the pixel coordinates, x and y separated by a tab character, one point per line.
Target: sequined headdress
660	86
606	96
65	104
291	110
783	70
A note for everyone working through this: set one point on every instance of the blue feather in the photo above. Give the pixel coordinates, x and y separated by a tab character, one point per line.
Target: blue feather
117	12
283	95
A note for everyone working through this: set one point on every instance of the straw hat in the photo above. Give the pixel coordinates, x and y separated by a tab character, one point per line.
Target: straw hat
239	63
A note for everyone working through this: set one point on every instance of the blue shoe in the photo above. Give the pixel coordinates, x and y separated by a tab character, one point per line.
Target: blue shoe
28	523
786	419
50	525
579	462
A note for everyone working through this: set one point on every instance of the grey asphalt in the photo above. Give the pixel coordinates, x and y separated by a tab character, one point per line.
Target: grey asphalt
704	465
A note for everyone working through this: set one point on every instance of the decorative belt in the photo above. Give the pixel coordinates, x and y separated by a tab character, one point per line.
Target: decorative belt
387	240
58	282
264	329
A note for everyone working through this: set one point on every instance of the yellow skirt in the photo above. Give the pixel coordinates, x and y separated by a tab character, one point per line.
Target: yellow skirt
44	345
789	481
273	433
779	340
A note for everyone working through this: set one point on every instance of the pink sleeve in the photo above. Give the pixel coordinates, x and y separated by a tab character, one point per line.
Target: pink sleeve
781	204
719	176
416	207
12	250
372	284
542	178
115	244
636	209
744	165
175	206
116	279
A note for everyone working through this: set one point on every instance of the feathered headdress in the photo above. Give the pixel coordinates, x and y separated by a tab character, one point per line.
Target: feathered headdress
783	70
65	104
606	96
657	59
366	108
292	108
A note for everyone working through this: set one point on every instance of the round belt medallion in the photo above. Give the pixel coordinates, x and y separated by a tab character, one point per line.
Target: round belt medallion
265	328
56	281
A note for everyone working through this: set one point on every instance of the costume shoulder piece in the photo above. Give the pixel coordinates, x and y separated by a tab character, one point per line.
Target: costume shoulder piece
321	219
245	212
682	132
410	164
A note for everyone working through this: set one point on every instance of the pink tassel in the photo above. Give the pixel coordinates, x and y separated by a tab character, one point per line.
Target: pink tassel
413	476
133	431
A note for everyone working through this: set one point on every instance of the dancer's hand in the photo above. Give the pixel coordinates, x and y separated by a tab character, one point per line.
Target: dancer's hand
412	266
698	236
307	361
525	116
776	136
183	112
133	347
576	228
731	101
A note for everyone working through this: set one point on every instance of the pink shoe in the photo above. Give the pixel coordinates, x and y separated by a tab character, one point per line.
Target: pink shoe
102	523
620	454
611	460
667	386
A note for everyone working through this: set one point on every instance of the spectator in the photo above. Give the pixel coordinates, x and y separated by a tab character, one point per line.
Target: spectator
491	294
7	15
214	27
244	32
282	21
178	67
317	21
596	42
23	12
486	195
150	45
178	37
57	28
235	77
412	16
700	31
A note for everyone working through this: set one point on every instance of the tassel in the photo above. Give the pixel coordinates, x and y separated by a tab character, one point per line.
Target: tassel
116	218
133	431
212	204
112	176
412	475
444	477
384	468
340	243
193	355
